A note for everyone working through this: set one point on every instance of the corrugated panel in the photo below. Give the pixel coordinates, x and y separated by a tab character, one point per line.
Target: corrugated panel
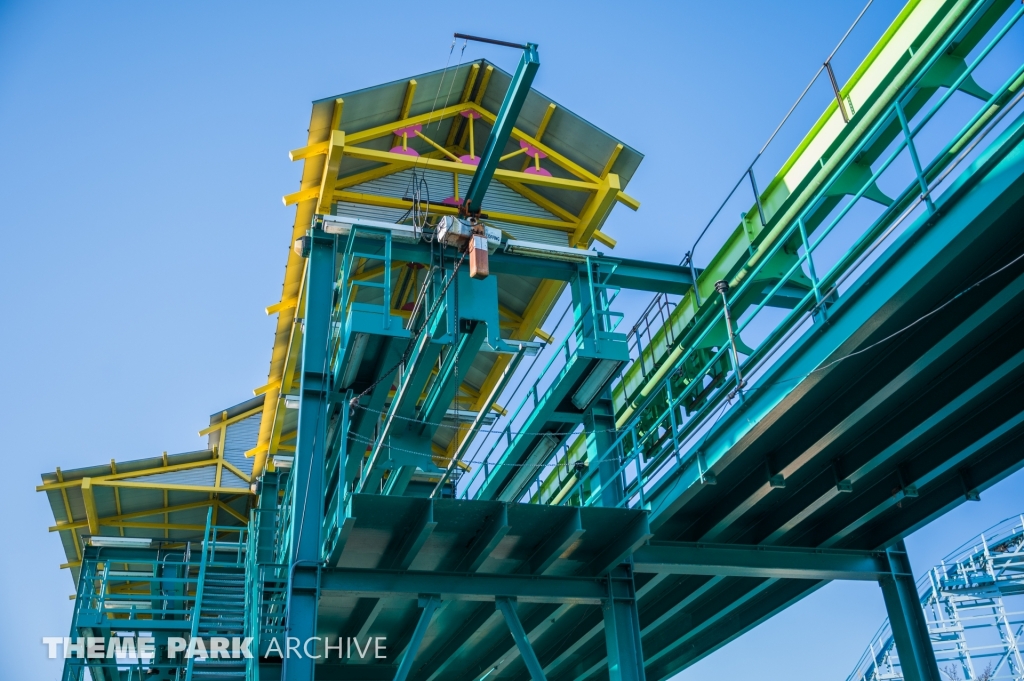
240	438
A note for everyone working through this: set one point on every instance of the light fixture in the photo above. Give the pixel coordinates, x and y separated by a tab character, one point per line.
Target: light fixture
539	250
359	343
595	382
466	416
122	542
129	573
342	225
283	461
291	401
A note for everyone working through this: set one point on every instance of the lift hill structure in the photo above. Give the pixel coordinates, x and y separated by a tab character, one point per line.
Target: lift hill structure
427	464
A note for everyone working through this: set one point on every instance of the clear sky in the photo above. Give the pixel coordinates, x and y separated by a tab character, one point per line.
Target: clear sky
143	154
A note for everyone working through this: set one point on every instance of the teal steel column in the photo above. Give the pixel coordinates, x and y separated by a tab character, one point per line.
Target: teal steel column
308	466
508	611
906	617
502	129
429	605
599	424
622	627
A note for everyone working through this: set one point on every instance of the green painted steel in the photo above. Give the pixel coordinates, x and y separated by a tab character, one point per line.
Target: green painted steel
696	380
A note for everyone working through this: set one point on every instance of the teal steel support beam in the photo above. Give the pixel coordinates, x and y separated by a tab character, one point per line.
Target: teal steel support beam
508	610
622	628
429	605
518	89
462	586
762	562
909	627
308	467
637	275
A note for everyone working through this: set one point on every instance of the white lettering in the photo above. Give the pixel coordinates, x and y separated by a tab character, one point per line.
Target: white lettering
240	647
361	652
275	646
147	647
78	648
219	648
377	647
196	647
51	645
94	647
328	647
289	647
175	645
121	647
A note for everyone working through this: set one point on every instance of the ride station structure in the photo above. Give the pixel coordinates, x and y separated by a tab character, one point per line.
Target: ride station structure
461	454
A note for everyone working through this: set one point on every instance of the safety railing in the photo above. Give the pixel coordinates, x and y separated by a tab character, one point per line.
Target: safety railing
650	446
548	375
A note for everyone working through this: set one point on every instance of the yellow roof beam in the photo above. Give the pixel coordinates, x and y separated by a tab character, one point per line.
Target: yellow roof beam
410	92
335	152
227	422
391	202
283	305
541	129
89	500
596	211
61	527
467	90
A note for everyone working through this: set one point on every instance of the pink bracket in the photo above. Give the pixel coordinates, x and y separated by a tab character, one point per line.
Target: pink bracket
532	151
470	160
409	131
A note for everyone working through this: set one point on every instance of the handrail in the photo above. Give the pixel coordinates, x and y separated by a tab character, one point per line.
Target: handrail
928	176
199	595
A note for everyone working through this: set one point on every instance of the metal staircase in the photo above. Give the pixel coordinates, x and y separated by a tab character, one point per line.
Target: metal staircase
219	613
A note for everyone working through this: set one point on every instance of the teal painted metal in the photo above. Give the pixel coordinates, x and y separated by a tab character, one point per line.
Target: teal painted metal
625	661
971	601
508	610
909	628
518	89
184	600
200	587
306	519
665	426
429	605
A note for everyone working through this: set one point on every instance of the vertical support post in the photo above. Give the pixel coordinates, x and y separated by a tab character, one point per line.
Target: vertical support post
810	259
906	617
429	605
508	610
622	627
838	93
308	468
913	156
722	286
599	425
757	196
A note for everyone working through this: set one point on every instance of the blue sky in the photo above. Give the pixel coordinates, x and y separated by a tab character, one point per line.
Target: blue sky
143	154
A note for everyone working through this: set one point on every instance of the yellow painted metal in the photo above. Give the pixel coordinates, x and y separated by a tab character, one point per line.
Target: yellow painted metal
410	92
596	211
611	160
225	422
89	501
79	524
282	306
